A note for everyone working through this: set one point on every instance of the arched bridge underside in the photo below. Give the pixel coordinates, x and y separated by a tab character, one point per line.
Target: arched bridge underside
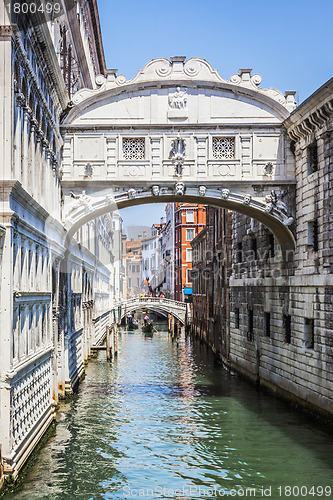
159	305
179	132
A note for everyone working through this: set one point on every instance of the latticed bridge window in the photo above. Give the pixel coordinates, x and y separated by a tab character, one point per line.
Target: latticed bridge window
223	148
134	148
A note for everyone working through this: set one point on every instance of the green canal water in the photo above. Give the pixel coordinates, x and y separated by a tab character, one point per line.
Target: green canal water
164	421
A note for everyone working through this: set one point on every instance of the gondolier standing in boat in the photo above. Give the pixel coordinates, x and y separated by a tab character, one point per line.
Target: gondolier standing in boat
146	320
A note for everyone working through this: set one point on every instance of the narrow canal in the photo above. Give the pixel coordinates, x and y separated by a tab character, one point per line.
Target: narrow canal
163	421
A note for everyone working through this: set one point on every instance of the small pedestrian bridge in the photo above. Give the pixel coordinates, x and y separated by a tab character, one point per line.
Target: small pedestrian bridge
160	305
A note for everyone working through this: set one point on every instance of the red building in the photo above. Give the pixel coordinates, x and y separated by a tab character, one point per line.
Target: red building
190	219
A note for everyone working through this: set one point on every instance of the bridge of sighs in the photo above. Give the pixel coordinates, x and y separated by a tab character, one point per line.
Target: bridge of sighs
179	132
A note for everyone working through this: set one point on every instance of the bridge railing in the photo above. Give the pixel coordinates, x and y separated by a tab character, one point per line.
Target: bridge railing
151	300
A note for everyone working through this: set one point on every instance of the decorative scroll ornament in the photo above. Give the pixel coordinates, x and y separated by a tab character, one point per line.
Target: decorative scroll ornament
256	79
156	190
202	190
177	154
163	69
192	68
235	78
179	189
121	79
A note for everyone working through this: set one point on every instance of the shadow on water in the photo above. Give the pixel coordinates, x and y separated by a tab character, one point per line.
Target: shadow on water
293	422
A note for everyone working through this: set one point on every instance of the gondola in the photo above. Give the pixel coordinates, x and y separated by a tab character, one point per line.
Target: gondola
132	326
148	328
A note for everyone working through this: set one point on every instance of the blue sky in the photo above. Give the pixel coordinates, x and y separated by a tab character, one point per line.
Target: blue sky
289	43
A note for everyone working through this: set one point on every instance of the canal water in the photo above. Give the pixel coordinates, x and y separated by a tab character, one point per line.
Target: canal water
164	421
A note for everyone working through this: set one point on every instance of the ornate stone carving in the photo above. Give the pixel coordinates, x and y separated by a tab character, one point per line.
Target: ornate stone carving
82	200
100	80
256	79
88	170
192	68
235	78
202	190
179	189
163	68
131	193
274	202
177	154
247	199
6	31
20	99
121	79
156	190
225	193
178	100
268	169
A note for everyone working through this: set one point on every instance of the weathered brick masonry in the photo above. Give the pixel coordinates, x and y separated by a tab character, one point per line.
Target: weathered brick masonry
279	316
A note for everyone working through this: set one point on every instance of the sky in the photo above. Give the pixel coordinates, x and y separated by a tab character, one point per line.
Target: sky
288	42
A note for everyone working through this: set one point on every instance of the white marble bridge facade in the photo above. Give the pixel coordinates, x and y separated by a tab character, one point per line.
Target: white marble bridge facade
179	132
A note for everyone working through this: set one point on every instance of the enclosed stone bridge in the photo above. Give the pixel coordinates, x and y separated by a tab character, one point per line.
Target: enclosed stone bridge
179	131
160	305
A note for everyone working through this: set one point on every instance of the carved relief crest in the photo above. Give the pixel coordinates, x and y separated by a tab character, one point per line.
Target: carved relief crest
178	104
178	100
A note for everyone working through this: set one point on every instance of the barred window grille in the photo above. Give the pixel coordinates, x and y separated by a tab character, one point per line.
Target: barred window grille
223	148
134	148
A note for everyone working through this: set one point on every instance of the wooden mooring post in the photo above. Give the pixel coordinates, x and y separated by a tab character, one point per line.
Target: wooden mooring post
108	344
115	339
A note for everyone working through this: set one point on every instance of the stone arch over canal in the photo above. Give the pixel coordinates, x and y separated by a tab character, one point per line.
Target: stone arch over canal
179	132
159	305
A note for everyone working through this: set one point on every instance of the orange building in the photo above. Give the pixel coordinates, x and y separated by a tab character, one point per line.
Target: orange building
190	219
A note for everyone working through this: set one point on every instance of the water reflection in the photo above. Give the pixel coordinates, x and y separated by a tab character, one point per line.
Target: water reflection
163	417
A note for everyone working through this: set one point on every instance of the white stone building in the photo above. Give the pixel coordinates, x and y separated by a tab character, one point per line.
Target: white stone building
79	141
56	295
152	260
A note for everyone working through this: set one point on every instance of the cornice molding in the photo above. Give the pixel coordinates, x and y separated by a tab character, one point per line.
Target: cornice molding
313	114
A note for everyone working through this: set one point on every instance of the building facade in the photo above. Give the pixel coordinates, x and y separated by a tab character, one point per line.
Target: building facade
153	275
211	269
56	296
78	141
279	312
168	251
134	267
190	219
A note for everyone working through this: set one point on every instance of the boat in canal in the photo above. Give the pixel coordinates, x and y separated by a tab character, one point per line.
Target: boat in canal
148	328
132	325
147	325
